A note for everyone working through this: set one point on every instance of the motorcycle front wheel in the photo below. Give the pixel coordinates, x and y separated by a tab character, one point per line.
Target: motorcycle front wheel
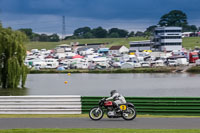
130	114
96	113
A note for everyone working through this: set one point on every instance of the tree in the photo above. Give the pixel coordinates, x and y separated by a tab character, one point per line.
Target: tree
80	32
139	33
131	34
193	28
177	18
27	31
12	56
99	32
123	33
35	37
120	32
54	38
150	30
88	35
114	35
174	18
44	38
189	28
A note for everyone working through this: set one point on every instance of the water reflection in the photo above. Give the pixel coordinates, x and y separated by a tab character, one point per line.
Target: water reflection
161	85
13	92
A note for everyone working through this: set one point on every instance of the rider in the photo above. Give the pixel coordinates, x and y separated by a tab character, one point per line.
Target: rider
117	99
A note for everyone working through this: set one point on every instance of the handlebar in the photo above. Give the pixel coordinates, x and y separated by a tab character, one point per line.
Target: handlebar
103	99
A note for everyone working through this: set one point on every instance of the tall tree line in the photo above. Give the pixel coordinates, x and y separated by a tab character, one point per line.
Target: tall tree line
39	37
173	18
99	32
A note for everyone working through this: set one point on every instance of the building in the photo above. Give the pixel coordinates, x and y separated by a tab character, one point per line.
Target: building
63	48
95	46
187	34
118	50
167	38
103	50
141	45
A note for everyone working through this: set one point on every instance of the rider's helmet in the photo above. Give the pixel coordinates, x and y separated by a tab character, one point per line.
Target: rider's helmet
112	92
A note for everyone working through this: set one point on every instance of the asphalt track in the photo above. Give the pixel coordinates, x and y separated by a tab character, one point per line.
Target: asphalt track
138	123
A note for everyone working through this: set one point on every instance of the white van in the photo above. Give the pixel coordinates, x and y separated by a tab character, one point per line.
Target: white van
159	63
51	63
172	63
182	61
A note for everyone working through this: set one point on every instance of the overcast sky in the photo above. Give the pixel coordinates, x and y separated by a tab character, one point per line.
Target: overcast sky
45	16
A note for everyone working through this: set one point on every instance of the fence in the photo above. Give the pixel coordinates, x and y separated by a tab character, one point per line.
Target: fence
40	104
154	105
76	105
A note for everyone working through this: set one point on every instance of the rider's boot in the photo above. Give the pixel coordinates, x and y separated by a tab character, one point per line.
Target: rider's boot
118	109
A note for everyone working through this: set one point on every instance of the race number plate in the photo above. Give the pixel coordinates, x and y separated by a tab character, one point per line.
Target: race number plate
123	107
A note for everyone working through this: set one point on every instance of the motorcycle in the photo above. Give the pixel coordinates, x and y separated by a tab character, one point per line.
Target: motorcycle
127	111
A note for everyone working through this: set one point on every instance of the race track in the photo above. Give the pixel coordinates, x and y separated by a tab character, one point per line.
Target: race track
138	123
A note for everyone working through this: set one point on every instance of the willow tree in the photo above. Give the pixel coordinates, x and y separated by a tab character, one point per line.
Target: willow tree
12	56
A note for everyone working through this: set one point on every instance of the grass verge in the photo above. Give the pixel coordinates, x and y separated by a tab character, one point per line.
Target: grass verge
195	69
188	42
135	70
110	41
191	42
92	130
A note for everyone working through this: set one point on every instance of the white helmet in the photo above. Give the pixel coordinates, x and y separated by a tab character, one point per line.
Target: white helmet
113	92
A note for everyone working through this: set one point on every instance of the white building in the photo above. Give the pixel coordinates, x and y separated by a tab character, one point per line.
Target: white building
63	48
51	63
140	45
168	38
186	34
118	50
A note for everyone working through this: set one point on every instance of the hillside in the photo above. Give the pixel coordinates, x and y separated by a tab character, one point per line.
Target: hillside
111	41
191	42
188	43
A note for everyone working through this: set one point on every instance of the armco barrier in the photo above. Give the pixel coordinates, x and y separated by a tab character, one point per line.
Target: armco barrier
154	105
61	104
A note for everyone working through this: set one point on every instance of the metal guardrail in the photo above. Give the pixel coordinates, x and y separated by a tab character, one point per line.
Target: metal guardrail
75	104
61	104
154	105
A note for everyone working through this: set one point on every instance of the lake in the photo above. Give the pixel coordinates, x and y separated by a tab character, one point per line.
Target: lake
150	85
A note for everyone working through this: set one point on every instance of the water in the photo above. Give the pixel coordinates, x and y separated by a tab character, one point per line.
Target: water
150	85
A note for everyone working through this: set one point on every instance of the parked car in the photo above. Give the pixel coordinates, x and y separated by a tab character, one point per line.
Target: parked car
136	65
145	64
116	65
182	61
127	65
158	63
172	63
197	62
51	63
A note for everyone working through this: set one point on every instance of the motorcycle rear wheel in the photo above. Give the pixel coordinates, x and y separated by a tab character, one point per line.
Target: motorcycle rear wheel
96	113
130	114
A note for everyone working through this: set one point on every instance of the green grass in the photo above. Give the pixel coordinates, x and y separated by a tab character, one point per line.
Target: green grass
190	42
194	69
135	70
111	41
97	130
